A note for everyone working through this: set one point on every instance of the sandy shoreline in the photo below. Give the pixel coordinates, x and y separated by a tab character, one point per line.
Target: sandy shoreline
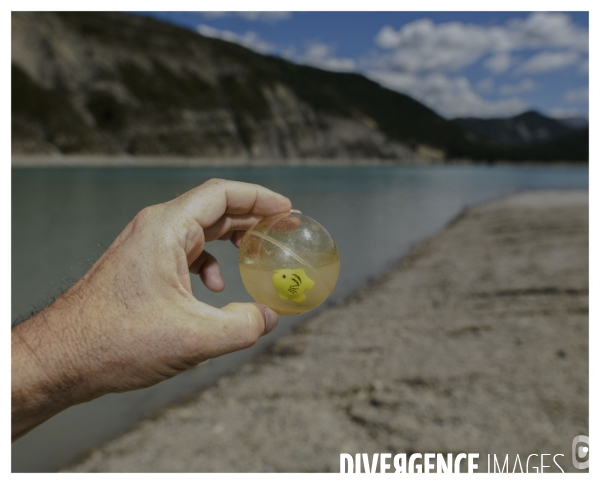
476	342
126	161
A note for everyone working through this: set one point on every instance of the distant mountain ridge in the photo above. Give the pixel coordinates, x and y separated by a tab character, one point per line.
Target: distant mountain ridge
575	122
574	146
117	83
525	129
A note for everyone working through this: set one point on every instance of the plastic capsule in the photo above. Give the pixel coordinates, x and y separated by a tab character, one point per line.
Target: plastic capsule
289	262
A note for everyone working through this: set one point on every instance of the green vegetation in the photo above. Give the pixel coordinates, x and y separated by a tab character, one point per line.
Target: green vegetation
162	88
33	106
108	113
244	95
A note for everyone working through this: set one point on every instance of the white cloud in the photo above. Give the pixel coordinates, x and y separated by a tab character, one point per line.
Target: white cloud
269	17
323	56
498	63
388	38
544	29
485	85
584	67
450	97
424	47
526	85
580	95
548	61
568	113
250	40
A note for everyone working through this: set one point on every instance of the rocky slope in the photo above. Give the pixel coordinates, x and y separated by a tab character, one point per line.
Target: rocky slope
114	83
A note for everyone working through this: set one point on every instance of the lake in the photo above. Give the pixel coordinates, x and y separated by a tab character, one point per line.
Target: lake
63	219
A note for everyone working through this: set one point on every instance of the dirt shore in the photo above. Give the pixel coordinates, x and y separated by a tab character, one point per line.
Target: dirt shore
126	161
476	342
58	160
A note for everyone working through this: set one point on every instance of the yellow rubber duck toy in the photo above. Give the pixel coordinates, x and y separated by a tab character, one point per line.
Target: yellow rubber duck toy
291	284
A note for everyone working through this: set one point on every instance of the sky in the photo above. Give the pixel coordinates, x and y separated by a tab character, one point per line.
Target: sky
483	64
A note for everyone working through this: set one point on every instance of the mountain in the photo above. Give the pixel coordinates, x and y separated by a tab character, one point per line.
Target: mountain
575	122
92	82
113	83
574	146
523	130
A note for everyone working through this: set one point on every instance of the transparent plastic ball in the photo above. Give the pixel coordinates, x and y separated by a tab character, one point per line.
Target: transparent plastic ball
289	262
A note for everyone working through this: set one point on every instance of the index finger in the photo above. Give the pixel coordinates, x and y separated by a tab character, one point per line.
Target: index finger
209	201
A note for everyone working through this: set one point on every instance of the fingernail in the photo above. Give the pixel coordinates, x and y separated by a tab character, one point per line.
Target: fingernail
295	211
271	318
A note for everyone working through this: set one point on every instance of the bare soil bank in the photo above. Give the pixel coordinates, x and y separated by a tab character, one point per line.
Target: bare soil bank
476	342
127	161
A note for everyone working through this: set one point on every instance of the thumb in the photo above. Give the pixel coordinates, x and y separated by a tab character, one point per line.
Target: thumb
247	322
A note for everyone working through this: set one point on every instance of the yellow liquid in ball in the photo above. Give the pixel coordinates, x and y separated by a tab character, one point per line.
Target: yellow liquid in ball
259	284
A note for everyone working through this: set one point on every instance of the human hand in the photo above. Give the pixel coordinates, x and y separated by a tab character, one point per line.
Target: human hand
132	320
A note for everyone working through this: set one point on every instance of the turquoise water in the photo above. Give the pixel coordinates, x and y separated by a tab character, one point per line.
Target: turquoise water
64	218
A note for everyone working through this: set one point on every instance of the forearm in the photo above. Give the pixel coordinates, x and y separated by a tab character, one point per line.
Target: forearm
46	375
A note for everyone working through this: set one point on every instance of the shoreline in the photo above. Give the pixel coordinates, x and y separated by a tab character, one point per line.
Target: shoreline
455	348
126	161
165	161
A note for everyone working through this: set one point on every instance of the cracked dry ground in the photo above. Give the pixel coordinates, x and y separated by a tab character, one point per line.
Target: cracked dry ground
476	342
